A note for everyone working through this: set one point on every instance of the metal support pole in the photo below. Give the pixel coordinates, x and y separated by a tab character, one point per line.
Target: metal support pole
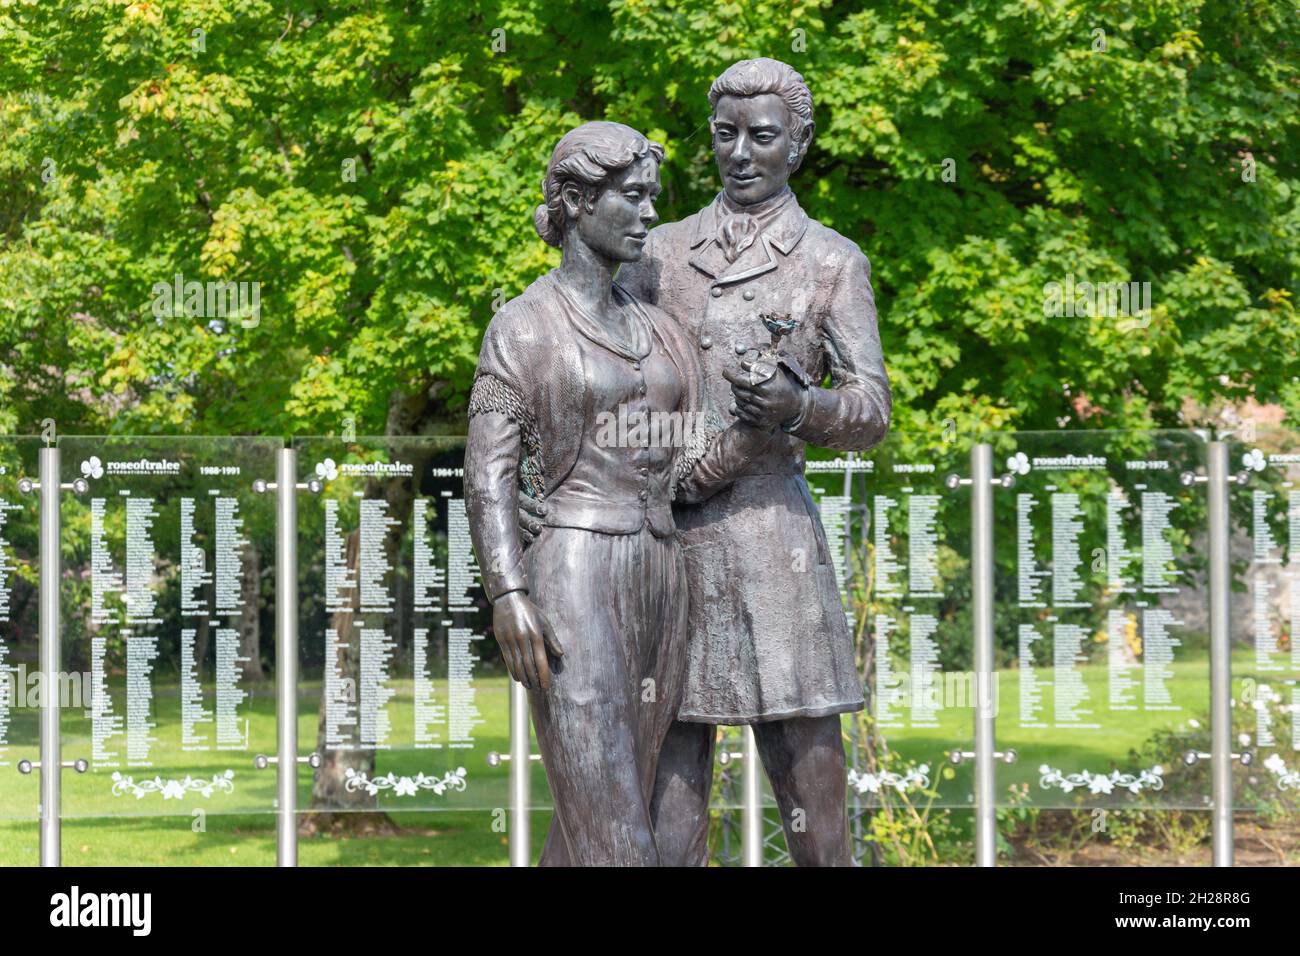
521	850
751	805
51	754
286	656
1220	650
855	745
981	473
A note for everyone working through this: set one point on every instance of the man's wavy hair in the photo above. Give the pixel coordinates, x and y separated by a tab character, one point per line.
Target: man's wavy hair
765	75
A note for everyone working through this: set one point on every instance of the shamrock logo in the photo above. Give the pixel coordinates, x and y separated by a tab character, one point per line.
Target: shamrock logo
327	470
1254	460
1018	464
92	467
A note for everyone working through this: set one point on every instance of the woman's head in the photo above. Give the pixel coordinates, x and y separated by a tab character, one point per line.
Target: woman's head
601	182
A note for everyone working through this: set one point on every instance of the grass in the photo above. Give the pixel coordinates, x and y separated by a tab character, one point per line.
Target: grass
1068	750
426	839
456	829
238	828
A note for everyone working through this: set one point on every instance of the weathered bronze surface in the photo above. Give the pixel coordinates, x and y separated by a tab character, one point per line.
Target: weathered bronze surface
699	570
592	619
769	644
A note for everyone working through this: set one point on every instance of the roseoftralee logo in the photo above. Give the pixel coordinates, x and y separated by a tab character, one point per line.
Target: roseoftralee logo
1254	460
92	467
327	470
1018	464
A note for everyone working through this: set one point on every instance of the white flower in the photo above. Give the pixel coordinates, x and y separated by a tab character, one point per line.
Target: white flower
865	782
1275	764
404	788
1100	784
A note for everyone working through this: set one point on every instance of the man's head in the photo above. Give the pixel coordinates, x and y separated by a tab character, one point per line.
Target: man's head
762	125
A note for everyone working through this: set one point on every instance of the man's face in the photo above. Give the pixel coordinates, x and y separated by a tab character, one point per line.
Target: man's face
753	142
623	213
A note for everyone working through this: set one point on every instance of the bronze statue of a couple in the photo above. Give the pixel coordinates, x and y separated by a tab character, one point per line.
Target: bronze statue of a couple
646	591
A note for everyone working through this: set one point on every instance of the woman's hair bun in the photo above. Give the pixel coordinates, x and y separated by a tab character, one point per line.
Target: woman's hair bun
545	226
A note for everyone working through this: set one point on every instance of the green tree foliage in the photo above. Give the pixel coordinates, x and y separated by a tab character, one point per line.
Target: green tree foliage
374	166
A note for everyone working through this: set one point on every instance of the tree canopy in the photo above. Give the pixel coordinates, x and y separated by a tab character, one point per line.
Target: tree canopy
373	166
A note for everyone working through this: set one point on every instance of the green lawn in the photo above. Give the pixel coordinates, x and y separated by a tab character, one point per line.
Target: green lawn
456	829
1074	750
101	828
428	839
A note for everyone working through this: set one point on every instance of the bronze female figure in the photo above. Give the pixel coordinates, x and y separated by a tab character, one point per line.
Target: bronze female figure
592	617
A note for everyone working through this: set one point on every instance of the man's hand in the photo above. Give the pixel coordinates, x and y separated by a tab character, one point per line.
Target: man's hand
767	404
524	636
530	511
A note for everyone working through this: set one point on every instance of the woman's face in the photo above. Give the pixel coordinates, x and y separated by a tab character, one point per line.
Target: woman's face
616	225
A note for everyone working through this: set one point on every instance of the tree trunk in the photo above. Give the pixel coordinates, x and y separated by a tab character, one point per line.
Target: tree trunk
250	626
329	790
202	634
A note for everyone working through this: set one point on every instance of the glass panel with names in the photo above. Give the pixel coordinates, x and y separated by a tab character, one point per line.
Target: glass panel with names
1265	620
21	683
398	666
1102	617
899	538
168	605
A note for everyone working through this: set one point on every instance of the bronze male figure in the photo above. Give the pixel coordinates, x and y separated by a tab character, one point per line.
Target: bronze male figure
769	644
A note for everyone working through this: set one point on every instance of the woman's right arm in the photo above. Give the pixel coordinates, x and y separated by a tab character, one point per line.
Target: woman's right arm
491	491
491	503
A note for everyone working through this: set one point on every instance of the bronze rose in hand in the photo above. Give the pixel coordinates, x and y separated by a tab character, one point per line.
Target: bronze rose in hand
764	398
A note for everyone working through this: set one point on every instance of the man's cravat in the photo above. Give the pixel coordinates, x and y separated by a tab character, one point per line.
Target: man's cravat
736	234
740	226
